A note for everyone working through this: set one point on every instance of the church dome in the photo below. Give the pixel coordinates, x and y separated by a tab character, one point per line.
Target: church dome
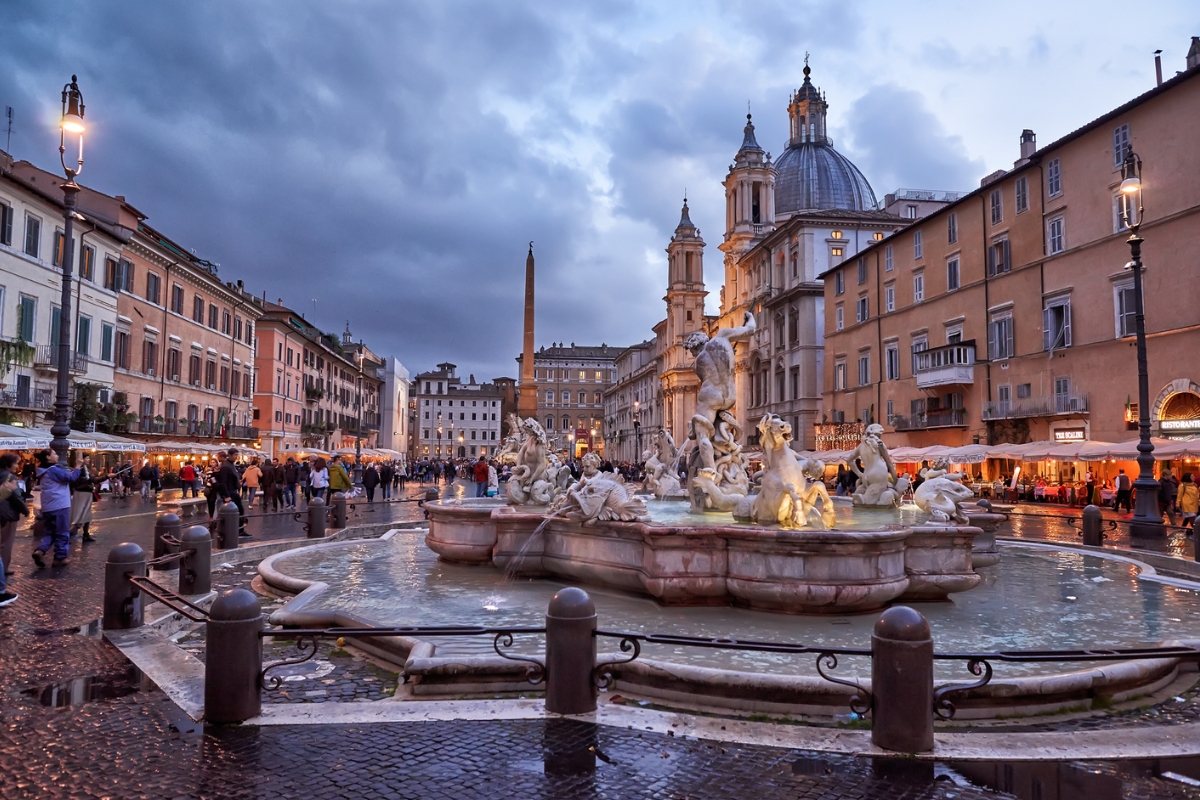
810	174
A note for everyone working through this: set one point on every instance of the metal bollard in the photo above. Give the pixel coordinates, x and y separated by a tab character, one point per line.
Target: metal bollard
228	521
337	507
123	600
902	682
195	571
233	658
167	525
1092	536
570	653
316	519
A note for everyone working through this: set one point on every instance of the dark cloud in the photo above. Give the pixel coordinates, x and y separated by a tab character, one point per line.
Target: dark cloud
897	142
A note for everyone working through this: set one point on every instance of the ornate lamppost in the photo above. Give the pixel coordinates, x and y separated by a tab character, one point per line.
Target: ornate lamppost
1147	520
71	123
637	431
358	419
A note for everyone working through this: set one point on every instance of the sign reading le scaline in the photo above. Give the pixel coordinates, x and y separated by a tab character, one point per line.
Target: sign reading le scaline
838	435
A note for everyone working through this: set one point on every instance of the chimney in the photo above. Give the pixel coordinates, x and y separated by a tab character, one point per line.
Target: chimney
1028	143
1193	56
1158	67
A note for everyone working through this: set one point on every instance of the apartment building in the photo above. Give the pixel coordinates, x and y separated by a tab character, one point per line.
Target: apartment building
571	383
1008	315
32	249
456	419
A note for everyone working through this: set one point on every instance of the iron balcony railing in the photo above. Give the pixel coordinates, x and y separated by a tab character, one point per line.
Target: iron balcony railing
33	399
1044	406
46	357
949	418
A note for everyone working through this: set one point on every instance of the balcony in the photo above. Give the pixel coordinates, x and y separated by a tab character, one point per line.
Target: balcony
948	365
45	358
950	418
1045	406
31	399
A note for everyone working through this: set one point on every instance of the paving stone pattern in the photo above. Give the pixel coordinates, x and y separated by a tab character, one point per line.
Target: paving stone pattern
76	721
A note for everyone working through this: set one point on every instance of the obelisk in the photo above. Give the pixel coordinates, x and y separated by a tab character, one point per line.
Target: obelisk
527	404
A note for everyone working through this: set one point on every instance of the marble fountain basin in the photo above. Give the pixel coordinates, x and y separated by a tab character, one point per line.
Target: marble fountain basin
871	559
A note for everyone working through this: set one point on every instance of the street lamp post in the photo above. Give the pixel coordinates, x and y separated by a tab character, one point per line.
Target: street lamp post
637	431
72	123
1147	520
571	446
358	420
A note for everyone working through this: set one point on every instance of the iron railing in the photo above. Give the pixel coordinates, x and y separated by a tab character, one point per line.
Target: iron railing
1043	406
950	418
46	357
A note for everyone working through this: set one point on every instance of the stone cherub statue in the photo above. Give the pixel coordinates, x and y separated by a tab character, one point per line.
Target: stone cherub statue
512	443
531	482
660	466
941	494
598	496
877	473
707	441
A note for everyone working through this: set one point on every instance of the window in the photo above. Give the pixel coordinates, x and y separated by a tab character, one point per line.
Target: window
106	341
1054	177
60	243
952	228
550	398
794	376
1121	146
210	374
891	355
918	287
227	324
889	297
836	253
911	212
1000	337
952	275
835	235
1024	390
122	361
919	345
795	266
83	336
173	361
839	318
888	264
1022	187
549	423
864	369
198	309
918	245
860	310
55	326
125	275
1054	236
177	298
246	390
225	380
954	334
839	375
87	264
149	356
33	236
595	401
213	316
998	258
1004	399
6	224
152	287
997	207
194	370
26	319
839	282
862	271
1126	308
891	413
583	398
1119	201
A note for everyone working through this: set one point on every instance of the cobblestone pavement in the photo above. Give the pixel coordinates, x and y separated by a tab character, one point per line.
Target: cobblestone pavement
77	721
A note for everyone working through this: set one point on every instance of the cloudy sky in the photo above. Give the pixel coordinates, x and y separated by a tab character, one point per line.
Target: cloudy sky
388	162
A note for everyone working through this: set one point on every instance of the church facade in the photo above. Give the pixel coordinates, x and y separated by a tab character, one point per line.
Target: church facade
786	222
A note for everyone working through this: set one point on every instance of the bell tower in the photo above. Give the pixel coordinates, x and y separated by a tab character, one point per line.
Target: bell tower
685	279
806	113
749	208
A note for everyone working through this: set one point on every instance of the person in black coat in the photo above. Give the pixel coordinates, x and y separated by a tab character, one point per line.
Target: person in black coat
386	473
370	480
228	484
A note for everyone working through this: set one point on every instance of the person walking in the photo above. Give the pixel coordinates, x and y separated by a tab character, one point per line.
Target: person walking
1188	499
187	479
16	501
1168	491
1090	484
291	476
386	473
493	481
339	479
228	486
251	479
81	499
1124	492
146	476
480	475
56	483
320	478
370	479
401	476
271	478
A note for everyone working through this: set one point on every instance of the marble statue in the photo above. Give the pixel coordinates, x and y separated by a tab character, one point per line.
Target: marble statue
533	479
660	466
512	443
877	473
712	441
790	487
942	494
598	497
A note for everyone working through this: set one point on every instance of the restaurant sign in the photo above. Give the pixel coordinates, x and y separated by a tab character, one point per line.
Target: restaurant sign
1070	435
838	435
1179	424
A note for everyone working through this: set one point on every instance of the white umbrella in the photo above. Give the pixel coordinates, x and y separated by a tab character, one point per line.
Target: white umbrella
969	454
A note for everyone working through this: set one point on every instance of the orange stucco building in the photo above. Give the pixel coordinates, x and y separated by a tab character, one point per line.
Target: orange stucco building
1008	315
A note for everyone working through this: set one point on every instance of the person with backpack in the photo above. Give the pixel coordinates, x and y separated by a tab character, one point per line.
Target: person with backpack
81	498
56	483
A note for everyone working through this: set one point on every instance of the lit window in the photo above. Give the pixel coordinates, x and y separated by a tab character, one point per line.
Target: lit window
836	235
877	236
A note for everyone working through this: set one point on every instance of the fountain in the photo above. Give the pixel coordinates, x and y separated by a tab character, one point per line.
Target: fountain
774	543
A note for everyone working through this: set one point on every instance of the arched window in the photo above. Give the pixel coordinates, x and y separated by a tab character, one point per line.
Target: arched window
550	423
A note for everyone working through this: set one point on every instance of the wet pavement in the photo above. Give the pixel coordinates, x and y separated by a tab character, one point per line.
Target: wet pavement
77	721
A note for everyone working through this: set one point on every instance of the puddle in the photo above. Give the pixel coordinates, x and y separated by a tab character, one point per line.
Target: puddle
78	691
92	630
